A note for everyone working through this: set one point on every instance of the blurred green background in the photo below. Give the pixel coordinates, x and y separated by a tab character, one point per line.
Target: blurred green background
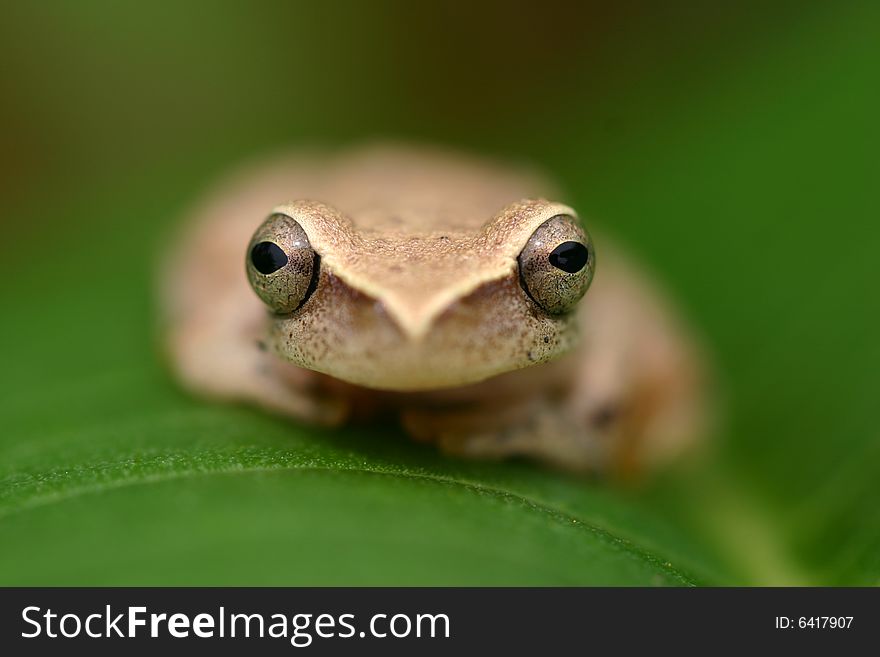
734	149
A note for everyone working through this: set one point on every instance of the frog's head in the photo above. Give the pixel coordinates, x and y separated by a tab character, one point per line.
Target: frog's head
406	307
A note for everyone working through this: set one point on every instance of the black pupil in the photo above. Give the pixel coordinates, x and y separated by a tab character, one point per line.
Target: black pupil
268	257
570	257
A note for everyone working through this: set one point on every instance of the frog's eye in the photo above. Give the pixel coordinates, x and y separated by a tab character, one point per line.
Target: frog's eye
282	267
556	266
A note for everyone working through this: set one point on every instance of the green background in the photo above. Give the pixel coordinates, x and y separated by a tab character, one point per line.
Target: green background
734	150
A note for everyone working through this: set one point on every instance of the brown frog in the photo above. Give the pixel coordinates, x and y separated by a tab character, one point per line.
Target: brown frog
439	288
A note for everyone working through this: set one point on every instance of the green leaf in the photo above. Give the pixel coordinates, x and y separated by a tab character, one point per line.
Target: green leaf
740	166
175	491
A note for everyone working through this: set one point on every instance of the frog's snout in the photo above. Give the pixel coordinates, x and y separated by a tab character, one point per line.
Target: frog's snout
363	341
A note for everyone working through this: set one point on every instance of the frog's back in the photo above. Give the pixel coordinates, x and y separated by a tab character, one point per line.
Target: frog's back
415	192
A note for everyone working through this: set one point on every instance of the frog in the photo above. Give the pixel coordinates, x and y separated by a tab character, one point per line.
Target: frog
442	291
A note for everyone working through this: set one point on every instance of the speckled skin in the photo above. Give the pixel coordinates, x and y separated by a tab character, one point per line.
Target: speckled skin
419	311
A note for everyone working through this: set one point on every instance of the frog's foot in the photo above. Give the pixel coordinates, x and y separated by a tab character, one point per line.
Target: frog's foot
537	431
547	437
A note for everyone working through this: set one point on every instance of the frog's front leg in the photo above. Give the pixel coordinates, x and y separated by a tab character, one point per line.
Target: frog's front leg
538	427
220	350
640	381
